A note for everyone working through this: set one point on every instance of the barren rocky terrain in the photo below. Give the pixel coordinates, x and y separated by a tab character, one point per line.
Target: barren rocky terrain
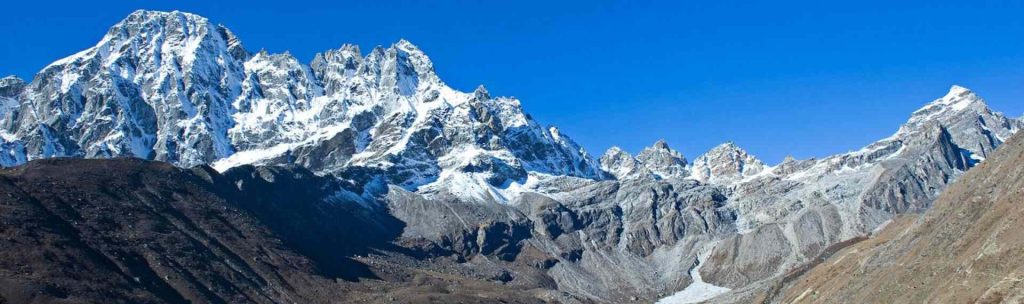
966	249
135	231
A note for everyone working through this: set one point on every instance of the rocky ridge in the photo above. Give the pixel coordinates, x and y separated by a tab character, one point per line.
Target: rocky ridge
473	179
964	249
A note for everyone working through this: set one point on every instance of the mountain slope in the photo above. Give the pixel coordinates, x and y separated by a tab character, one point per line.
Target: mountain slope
966	248
794	212
72	232
743	230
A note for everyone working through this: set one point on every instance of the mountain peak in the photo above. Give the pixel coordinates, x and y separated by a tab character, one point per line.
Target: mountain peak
961	111
405	45
11	86
146	16
183	34
663	161
726	147
661	144
958	90
11	80
480	93
726	163
958	98
615	151
350	48
621	164
406	65
145	12
946	108
412	51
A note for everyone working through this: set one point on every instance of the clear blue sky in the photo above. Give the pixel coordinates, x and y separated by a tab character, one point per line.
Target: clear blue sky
801	78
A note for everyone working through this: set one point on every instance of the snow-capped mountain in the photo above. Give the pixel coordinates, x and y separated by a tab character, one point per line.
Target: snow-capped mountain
621	165
791	212
157	85
663	161
658	161
173	86
724	163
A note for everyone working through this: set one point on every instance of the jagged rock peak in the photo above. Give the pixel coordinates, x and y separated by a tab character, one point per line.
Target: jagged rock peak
481	93
346	51
11	80
413	58
957	90
615	151
726	163
663	161
402	67
660	144
144	13
966	116
174	87
621	165
728	147
145	37
140	17
173	28
11	86
958	98
407	46
957	101
158	85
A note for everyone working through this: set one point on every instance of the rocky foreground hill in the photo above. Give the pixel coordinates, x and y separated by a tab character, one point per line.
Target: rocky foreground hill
966	249
134	231
369	173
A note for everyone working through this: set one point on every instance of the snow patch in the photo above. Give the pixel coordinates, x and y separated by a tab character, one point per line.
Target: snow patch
698	291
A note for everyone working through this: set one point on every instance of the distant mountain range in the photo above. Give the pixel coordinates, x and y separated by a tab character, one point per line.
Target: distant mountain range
460	187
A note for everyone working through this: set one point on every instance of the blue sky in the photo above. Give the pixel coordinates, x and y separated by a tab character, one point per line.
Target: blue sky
801	78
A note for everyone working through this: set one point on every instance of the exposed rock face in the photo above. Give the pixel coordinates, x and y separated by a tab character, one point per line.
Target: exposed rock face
621	165
964	249
663	161
158	86
11	88
844	196
726	163
478	188
974	126
657	161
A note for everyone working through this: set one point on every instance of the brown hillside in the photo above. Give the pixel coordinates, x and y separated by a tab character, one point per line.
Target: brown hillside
969	248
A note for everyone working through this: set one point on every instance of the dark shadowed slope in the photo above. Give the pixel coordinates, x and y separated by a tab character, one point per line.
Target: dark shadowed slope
969	248
126	230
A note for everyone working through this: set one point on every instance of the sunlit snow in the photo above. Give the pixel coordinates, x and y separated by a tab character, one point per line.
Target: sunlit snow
697	292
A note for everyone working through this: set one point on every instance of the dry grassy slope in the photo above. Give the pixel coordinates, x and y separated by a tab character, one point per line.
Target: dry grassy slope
969	248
